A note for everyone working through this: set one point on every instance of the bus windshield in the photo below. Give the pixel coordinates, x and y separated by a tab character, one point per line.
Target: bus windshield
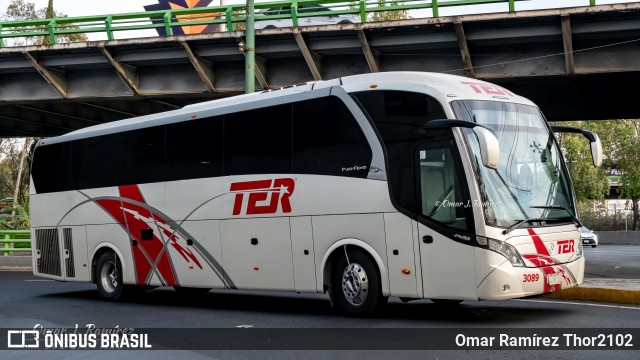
531	182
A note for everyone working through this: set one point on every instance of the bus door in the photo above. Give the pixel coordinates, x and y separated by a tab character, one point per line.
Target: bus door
445	221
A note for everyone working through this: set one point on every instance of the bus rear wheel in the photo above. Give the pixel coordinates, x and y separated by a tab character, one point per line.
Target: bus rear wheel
109	276
355	285
109	279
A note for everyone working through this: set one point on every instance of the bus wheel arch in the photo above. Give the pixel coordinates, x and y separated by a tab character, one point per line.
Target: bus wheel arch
355	278
107	272
97	253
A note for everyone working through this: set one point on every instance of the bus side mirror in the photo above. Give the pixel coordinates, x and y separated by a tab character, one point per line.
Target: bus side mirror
596	150
489	144
595	144
489	147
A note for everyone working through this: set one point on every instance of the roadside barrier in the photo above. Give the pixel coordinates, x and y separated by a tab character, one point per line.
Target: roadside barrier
12	241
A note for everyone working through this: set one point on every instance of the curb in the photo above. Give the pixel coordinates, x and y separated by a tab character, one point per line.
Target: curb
15	261
619	296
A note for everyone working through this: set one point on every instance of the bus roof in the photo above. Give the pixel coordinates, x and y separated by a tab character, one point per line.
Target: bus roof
451	87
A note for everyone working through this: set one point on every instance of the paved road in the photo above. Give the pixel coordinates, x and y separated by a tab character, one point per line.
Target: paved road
613	261
26	301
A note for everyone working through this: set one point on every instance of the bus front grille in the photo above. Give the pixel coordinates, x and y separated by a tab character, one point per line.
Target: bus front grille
48	252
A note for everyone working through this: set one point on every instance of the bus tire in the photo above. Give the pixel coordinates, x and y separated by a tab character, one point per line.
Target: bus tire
355	285
109	276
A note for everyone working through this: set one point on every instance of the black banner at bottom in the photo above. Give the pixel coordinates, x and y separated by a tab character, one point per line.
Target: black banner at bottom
321	339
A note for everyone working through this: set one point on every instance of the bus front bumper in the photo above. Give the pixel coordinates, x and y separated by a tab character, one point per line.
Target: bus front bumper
507	282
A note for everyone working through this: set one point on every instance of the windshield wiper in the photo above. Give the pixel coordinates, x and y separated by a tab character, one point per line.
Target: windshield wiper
520	223
558	207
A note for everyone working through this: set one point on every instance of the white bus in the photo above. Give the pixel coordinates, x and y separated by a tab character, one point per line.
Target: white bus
408	184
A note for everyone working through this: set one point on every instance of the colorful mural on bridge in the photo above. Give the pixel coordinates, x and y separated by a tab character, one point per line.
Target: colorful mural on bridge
185	4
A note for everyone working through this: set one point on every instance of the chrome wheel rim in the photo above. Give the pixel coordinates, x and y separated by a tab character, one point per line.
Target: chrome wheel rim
109	277
355	284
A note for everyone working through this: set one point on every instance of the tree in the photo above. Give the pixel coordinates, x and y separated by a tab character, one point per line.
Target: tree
11	164
21	10
589	182
621	149
629	164
389	15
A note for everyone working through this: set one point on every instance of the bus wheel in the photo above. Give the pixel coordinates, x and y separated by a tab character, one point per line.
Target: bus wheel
355	285
109	276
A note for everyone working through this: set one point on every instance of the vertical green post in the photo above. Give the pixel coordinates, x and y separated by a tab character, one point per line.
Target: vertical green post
53	38
249	51
107	27
294	13
167	23
229	18
434	8
512	6
1	38
592	2
6	244
363	11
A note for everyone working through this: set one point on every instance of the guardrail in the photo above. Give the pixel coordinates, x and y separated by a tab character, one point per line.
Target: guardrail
11	238
229	15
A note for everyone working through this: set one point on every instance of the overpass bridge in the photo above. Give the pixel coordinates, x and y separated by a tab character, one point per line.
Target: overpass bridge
576	63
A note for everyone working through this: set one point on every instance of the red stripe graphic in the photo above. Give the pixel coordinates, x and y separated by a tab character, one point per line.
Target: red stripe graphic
149	255
548	265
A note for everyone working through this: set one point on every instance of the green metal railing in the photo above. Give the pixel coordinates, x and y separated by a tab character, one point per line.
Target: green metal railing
15	241
228	15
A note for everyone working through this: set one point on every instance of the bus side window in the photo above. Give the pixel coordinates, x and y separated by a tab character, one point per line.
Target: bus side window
327	140
442	198
194	149
398	116
258	141
51	168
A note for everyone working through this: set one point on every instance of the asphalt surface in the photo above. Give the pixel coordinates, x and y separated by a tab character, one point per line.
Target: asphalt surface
26	301
612	274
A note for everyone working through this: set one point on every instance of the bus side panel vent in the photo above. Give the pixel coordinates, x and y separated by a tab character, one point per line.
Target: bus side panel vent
68	252
48	252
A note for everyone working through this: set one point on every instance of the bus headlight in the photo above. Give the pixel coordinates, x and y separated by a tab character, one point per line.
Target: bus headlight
506	250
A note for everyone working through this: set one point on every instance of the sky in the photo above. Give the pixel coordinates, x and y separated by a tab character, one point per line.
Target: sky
74	8
103	7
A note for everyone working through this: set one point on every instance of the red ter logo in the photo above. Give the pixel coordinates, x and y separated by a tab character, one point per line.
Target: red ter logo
268	192
566	246
480	88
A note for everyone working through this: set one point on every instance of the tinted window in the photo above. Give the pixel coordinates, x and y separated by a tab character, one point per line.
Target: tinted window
93	162
328	140
132	157
51	168
398	117
140	155
194	149
258	141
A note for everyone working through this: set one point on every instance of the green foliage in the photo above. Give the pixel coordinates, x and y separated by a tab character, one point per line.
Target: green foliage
629	164
14	218
621	149
10	151
21	10
389	15
589	182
